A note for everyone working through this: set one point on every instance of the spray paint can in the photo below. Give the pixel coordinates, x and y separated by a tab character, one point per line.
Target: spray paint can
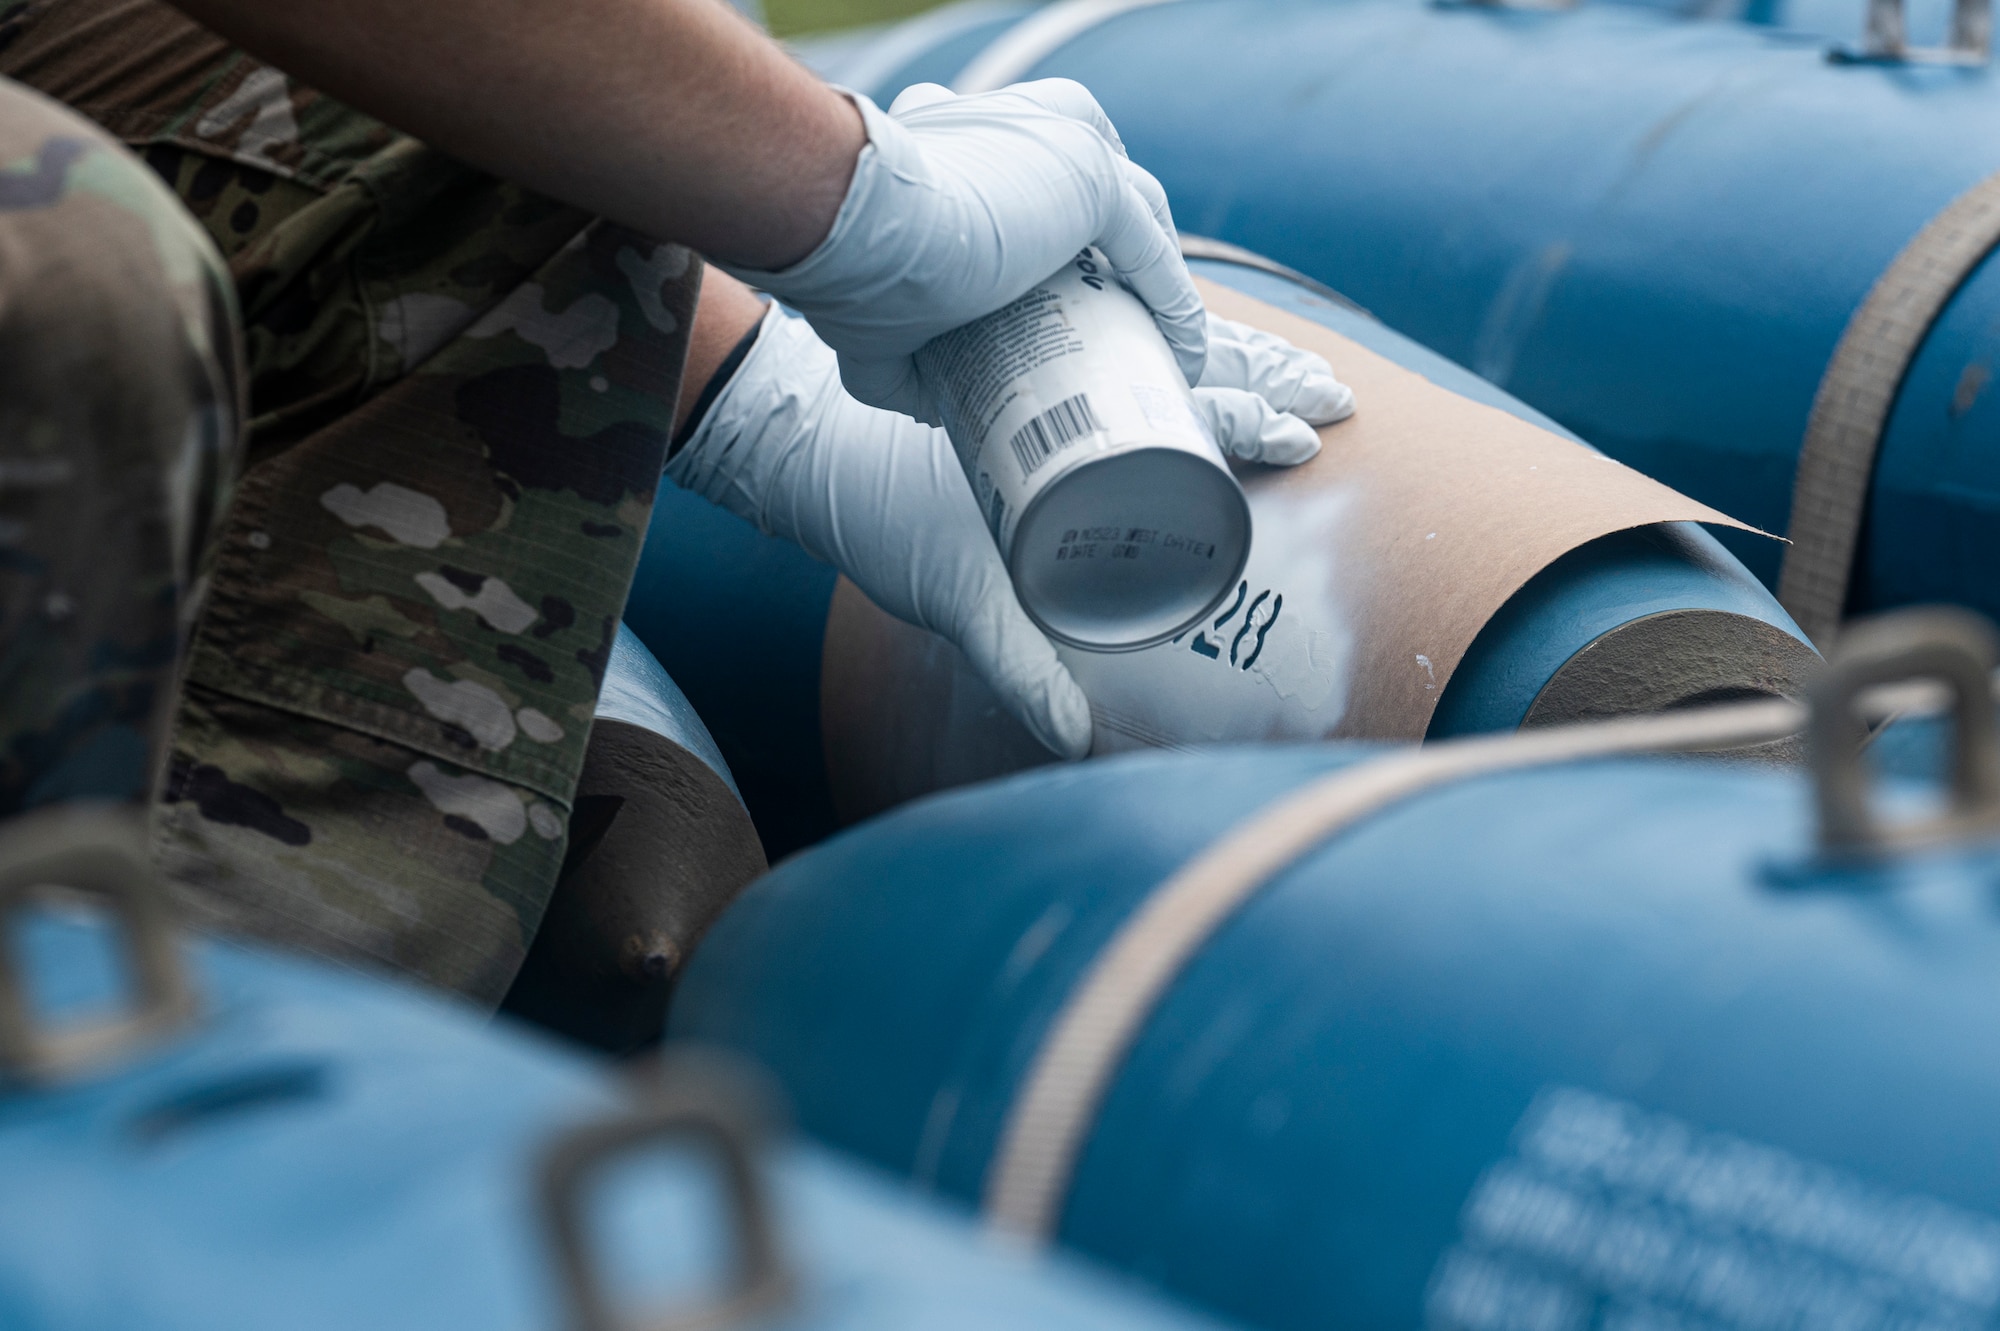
1119	522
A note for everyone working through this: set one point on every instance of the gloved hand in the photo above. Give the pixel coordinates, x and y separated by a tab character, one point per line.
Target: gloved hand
961	204
883	499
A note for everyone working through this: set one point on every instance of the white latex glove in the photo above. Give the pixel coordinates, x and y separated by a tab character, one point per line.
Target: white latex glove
1262	395
961	204
883	499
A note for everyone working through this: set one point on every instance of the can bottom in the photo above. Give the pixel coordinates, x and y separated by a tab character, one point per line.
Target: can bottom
1130	548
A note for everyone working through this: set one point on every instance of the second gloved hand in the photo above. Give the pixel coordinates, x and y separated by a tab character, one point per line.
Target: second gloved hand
882	498
1262	395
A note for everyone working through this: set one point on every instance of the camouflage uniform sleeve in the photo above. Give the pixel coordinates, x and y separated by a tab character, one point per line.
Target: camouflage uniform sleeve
461	395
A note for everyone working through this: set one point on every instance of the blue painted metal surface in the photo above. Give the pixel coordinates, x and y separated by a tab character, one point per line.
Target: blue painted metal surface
1653	230
1590	1047
638	691
1913	747
1592	590
328	1152
1832	23
738	619
1842	23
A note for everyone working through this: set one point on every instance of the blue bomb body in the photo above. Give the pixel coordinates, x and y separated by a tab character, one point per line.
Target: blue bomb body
739	619
1575	1036
323	1150
1651	229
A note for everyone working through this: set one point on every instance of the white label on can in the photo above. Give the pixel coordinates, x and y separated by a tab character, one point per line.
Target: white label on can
1616	1218
1170	413
1054	430
1073	369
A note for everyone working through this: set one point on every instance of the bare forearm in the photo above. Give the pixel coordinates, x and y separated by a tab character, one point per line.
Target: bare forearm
726	312
673	116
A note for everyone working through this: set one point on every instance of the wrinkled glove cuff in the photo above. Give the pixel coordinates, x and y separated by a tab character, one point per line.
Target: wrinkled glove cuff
764	420
887	159
713	389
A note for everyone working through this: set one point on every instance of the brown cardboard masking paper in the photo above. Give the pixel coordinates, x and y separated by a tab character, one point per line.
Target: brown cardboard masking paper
1372	569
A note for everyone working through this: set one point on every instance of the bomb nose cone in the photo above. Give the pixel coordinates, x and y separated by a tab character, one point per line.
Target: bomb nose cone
650	958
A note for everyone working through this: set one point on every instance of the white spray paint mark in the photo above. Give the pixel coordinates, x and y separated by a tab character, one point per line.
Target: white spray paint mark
1425	662
1432	537
1176	694
491	807
538	726
570	338
409	517
1308	656
266	99
495	602
480	711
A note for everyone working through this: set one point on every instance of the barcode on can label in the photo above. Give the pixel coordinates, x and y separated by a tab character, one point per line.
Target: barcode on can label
992	504
1054	430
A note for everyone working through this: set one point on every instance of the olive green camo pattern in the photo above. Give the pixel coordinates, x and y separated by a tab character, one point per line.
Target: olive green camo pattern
117	421
460	400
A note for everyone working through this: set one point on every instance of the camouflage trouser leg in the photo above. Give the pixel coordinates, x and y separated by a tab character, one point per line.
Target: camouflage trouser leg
460	395
117	446
393	683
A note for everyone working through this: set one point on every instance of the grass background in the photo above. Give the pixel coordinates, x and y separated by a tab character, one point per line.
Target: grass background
791	17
